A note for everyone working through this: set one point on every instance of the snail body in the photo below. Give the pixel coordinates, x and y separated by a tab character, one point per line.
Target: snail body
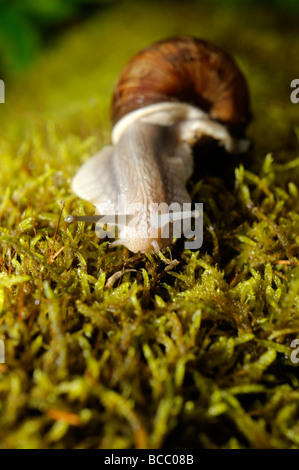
170	96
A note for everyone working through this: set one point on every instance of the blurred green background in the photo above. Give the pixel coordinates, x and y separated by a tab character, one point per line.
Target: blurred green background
27	26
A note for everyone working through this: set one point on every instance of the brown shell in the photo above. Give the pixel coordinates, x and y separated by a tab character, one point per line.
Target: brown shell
188	70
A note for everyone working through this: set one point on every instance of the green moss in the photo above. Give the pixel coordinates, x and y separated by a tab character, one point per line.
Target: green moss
113	350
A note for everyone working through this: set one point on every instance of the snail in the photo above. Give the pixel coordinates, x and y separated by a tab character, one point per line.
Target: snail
171	95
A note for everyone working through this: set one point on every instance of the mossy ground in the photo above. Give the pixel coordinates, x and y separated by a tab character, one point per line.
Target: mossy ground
107	349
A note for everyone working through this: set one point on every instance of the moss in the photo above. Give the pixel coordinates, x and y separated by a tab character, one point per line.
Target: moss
180	349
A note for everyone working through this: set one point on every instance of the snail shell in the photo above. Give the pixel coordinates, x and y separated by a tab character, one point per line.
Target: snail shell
170	96
188	70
